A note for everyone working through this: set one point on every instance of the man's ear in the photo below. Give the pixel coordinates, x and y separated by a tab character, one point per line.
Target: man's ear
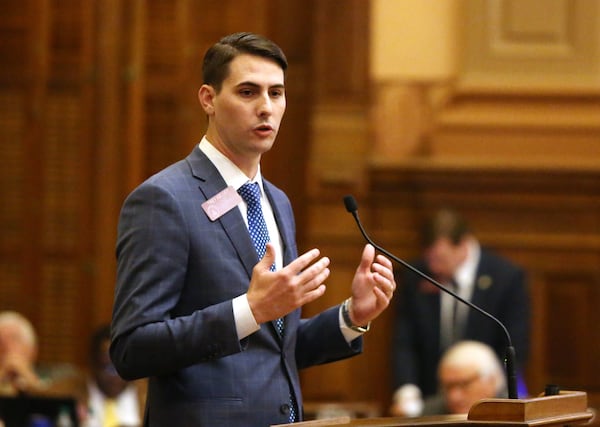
206	96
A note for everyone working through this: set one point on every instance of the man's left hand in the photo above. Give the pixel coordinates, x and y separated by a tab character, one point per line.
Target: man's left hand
373	287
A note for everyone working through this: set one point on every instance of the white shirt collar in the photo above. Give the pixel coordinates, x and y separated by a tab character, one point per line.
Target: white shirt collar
467	272
229	171
128	406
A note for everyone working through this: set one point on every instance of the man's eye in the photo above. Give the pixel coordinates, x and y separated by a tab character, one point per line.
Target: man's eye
246	92
276	93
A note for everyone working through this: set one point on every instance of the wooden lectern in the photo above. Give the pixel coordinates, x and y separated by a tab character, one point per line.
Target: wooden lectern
564	409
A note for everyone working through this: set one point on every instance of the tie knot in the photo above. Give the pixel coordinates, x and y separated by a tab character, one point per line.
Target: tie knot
250	192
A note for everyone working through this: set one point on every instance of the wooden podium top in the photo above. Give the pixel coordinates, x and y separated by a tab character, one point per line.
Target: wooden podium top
568	405
566	408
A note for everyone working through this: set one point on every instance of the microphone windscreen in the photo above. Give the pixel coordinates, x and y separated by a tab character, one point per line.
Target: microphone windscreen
350	203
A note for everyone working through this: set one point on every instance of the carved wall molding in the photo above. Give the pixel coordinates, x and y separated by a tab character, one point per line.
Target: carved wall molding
532	44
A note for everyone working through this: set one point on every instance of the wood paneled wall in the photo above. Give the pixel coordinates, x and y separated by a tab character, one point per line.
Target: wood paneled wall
46	126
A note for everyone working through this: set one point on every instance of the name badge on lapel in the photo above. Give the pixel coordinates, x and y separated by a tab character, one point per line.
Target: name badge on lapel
221	203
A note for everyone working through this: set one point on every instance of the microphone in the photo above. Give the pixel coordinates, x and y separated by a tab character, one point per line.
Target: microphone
511	375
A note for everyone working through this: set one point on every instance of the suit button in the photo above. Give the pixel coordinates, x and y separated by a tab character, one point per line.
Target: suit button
285	409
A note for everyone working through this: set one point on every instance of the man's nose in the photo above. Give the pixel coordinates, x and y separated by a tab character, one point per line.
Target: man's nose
265	106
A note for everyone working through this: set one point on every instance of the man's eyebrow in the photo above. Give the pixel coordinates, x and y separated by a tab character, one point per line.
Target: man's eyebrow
248	83
256	85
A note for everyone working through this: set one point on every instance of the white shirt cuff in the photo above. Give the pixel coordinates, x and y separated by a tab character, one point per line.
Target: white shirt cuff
349	334
245	323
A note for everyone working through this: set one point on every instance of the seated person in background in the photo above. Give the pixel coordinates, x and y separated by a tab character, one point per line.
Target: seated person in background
469	371
430	321
19	371
18	354
111	401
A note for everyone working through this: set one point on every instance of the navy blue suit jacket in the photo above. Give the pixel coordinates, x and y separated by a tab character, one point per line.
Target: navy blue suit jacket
500	289
173	322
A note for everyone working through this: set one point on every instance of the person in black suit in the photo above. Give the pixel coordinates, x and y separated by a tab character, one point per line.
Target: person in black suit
199	301
428	321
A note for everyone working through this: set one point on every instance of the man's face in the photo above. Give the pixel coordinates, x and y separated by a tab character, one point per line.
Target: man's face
463	386
444	257
245	115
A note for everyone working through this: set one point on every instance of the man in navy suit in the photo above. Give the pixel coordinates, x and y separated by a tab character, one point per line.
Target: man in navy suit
428	321
195	308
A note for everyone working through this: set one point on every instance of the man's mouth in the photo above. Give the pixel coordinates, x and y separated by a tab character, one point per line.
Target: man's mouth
264	128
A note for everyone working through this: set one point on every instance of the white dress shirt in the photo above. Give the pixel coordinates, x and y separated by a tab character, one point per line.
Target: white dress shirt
464	279
127	407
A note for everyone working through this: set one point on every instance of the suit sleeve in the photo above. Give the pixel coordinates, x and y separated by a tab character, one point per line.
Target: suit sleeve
320	340
152	258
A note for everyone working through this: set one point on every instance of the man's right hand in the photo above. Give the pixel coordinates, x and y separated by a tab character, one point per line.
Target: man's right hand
273	294
19	373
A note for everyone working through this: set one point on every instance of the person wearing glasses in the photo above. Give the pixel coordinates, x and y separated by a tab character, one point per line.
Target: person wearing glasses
468	372
428	321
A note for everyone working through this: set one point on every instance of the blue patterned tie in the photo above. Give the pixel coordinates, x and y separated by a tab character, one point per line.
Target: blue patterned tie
257	227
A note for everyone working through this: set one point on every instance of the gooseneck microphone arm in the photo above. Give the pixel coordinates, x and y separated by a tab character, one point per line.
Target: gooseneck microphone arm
511	376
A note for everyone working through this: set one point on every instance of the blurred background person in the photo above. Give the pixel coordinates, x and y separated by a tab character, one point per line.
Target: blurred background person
111	401
18	354
469	371
20	372
428	320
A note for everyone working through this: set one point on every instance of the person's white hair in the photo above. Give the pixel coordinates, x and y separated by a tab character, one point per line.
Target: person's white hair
24	325
479	355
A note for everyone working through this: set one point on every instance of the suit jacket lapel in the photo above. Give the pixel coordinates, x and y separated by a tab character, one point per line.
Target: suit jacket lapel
211	183
287	235
283	224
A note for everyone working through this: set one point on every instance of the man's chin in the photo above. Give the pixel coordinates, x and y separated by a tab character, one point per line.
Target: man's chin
266	145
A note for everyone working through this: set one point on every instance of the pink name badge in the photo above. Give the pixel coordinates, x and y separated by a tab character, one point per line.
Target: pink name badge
221	203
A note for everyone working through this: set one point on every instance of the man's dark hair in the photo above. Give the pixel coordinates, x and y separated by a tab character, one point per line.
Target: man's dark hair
215	67
447	223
